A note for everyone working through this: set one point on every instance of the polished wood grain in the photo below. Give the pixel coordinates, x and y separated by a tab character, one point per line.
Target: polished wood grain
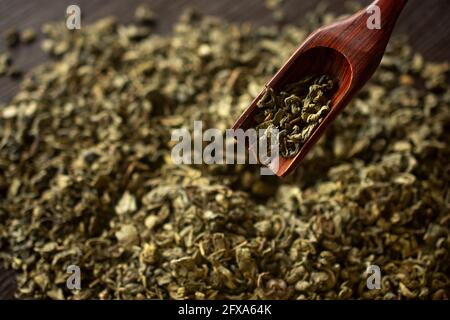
348	51
425	22
8	284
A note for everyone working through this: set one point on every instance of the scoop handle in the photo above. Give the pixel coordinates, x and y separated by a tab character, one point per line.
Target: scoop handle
362	38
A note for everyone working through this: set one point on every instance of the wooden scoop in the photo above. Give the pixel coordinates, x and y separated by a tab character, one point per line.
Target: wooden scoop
348	51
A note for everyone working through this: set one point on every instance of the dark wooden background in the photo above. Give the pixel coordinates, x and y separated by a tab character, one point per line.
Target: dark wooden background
426	22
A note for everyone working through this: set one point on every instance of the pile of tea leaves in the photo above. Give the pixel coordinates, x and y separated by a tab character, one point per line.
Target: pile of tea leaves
86	176
295	111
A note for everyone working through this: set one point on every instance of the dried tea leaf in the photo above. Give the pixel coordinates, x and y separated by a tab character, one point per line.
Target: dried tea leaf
294	111
86	177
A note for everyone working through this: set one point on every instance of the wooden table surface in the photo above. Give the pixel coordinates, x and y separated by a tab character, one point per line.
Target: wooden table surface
426	22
